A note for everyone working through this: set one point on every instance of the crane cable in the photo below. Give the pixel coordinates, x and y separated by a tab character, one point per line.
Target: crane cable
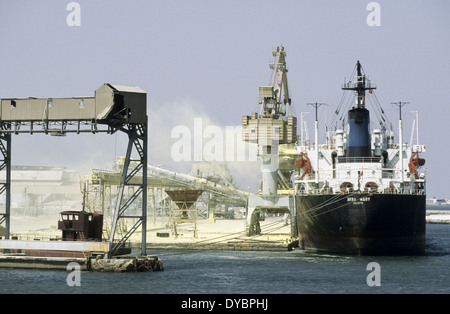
239	234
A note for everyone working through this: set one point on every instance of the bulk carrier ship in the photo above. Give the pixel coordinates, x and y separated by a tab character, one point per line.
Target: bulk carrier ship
361	192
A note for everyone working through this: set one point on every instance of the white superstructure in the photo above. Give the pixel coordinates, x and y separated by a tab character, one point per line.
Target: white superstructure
360	159
380	173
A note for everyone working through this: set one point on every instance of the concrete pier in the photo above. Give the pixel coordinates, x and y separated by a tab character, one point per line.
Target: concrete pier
120	264
53	248
247	245
89	255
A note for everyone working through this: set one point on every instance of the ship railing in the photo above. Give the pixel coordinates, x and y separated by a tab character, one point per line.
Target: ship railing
359	159
404	191
348	173
329	190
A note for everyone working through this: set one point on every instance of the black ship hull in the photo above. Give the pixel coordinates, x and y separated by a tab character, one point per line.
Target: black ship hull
362	223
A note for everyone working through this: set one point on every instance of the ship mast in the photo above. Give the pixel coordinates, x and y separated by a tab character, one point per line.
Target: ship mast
359	144
316	139
400	104
359	87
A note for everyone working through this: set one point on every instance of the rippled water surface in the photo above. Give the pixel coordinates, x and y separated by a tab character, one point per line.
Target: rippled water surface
223	272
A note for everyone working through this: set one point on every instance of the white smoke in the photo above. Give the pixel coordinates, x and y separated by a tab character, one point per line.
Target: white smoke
181	134
209	141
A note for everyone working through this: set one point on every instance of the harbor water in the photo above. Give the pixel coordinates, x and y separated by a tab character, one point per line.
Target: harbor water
257	272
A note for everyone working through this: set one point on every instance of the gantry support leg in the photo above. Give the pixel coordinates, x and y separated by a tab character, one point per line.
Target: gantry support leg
253	226
134	170
5	187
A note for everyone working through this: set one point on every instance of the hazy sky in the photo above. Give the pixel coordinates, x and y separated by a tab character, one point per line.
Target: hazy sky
207	59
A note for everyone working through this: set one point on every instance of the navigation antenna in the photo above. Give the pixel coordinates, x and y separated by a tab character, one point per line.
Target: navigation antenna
400	104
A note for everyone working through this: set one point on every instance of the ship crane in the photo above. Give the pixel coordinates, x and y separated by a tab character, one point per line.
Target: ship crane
272	105
271	127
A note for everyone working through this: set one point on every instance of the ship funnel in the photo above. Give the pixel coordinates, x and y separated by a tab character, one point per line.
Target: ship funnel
358	139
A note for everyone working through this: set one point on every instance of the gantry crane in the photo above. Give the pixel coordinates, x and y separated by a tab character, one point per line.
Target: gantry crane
269	129
113	108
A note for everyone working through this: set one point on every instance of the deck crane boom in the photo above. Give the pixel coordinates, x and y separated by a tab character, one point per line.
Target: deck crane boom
271	103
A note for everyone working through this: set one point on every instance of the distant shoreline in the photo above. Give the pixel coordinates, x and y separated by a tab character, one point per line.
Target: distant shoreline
437	207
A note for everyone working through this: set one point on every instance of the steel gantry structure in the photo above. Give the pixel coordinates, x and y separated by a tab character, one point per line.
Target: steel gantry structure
99	186
113	108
